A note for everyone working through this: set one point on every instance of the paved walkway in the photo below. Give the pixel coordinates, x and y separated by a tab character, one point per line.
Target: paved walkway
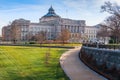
75	69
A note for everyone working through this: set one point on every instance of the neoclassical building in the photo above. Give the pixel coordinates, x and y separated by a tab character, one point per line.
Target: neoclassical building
52	23
90	33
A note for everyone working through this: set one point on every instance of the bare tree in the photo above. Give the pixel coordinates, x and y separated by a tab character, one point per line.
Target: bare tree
31	37
112	23
64	35
103	33
79	37
112	8
41	36
15	33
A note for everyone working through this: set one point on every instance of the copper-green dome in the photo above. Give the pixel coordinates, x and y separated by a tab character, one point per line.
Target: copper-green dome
51	13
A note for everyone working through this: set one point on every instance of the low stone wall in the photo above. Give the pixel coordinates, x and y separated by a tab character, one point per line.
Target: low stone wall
102	56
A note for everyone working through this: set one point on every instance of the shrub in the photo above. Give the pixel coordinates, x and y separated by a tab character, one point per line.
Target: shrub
32	42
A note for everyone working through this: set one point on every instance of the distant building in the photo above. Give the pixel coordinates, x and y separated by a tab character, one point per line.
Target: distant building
102	39
6	33
90	33
23	30
52	24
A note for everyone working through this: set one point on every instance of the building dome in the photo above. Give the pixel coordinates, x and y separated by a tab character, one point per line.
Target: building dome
51	13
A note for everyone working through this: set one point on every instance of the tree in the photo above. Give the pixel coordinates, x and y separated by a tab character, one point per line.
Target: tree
111	8
15	32
41	36
64	35
112	23
103	33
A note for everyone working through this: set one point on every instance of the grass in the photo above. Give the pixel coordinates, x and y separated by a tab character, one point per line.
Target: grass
29	63
66	45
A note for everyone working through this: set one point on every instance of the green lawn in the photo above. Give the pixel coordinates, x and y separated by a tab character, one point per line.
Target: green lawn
30	63
66	45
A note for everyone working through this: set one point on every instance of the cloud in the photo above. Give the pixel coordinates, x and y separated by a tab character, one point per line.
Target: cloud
88	10
24	7
87	3
77	4
101	2
30	12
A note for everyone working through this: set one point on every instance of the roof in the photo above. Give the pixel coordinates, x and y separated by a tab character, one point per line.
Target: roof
51	13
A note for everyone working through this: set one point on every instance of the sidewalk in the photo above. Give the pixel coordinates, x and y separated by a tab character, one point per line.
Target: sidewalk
75	69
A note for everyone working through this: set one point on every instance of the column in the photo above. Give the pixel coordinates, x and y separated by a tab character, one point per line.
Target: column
70	29
78	29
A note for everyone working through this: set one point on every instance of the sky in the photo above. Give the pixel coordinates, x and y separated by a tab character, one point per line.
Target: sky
32	10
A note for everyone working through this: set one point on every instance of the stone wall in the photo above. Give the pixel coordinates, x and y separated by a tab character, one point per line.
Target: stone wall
102	56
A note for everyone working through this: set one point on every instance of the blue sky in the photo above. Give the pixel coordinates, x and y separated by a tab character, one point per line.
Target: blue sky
88	10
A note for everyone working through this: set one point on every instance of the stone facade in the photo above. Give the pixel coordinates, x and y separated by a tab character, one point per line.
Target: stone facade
52	23
6	33
90	33
20	29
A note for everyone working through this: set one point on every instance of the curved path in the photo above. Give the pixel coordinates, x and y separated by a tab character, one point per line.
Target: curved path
75	69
